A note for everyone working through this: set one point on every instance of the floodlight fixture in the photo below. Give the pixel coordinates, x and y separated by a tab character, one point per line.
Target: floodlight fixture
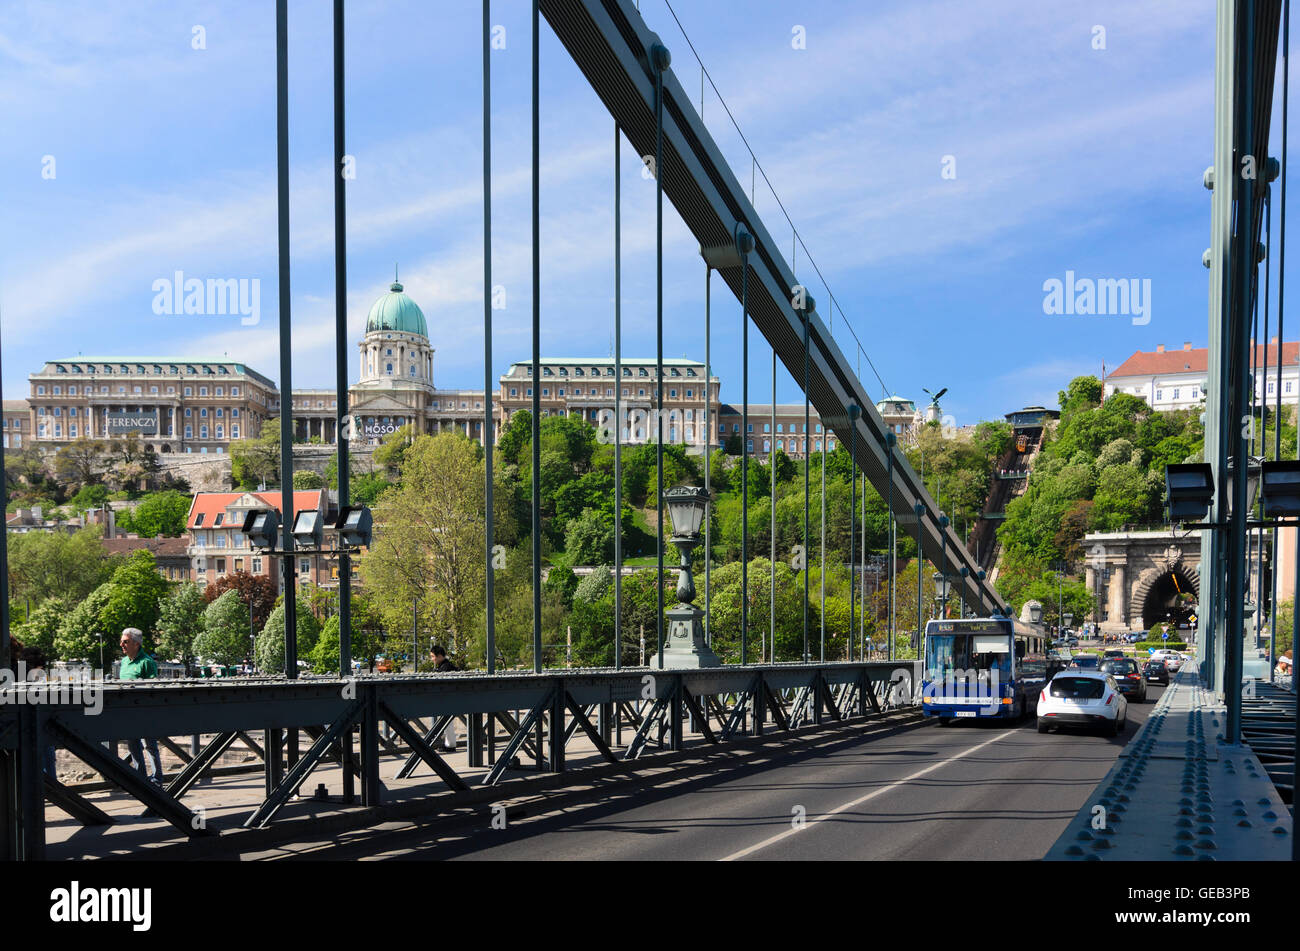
308	528
354	526
261	526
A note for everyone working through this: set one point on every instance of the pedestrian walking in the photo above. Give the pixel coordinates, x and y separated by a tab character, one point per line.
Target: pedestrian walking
137	665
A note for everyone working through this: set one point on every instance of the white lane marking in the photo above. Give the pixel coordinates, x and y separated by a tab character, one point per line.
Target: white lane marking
861	799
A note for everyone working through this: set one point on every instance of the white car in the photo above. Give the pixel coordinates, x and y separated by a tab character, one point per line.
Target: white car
1078	697
1173	660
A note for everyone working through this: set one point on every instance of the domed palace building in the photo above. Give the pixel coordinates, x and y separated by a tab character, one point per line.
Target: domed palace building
395	385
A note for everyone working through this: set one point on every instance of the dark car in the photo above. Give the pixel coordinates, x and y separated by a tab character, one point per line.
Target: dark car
1130	681
1155	671
1085	661
1113	653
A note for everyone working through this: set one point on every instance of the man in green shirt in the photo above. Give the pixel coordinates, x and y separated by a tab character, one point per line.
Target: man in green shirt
137	665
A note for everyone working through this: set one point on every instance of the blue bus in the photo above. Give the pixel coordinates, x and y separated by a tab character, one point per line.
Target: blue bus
983	668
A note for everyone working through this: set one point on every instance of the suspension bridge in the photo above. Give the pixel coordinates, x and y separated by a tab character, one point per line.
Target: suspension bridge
369	743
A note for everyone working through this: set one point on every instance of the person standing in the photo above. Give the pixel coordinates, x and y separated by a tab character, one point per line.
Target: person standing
442	665
137	665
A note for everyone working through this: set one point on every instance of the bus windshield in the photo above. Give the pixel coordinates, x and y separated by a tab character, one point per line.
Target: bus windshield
946	654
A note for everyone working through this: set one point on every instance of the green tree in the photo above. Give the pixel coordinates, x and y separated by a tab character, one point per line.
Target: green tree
91	496
562	582
78	636
589	538
324	655
270	642
80	461
135	591
429	546
42	628
159	513
390	454
306	479
48	564
256	461
180	620
516	436
225	635
1285	620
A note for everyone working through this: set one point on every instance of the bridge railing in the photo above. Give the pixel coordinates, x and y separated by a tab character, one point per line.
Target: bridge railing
622	713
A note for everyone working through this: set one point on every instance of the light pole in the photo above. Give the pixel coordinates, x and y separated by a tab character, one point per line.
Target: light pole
685	645
941	592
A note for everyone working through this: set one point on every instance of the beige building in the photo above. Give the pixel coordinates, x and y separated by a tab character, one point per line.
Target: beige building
176	405
584	388
17	423
217	547
766	435
900	415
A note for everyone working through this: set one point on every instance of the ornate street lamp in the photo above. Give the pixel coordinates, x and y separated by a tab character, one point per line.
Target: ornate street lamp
1032	612
941	587
685	645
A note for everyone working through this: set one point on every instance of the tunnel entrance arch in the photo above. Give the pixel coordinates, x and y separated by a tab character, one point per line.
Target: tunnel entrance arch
1170	598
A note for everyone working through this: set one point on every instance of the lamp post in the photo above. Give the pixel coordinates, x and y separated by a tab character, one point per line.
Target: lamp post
941	592
685	645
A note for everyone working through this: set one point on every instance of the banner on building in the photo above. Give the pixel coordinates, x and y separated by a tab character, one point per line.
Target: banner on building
121	423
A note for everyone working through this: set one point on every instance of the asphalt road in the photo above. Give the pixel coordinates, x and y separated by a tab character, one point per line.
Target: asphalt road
968	791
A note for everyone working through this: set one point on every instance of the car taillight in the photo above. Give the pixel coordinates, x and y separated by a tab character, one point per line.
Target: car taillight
1132	676
1109	699
1042	696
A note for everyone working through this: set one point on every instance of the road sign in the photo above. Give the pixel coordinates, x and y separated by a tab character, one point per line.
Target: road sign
1165	636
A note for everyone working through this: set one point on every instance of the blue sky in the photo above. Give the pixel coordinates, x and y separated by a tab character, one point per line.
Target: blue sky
1067	158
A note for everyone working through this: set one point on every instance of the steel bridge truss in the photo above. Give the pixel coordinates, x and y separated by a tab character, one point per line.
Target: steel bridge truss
625	714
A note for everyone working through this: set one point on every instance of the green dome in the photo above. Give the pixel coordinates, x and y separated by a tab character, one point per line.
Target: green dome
395	311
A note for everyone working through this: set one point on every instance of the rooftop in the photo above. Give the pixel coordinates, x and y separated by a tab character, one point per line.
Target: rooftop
1188	359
